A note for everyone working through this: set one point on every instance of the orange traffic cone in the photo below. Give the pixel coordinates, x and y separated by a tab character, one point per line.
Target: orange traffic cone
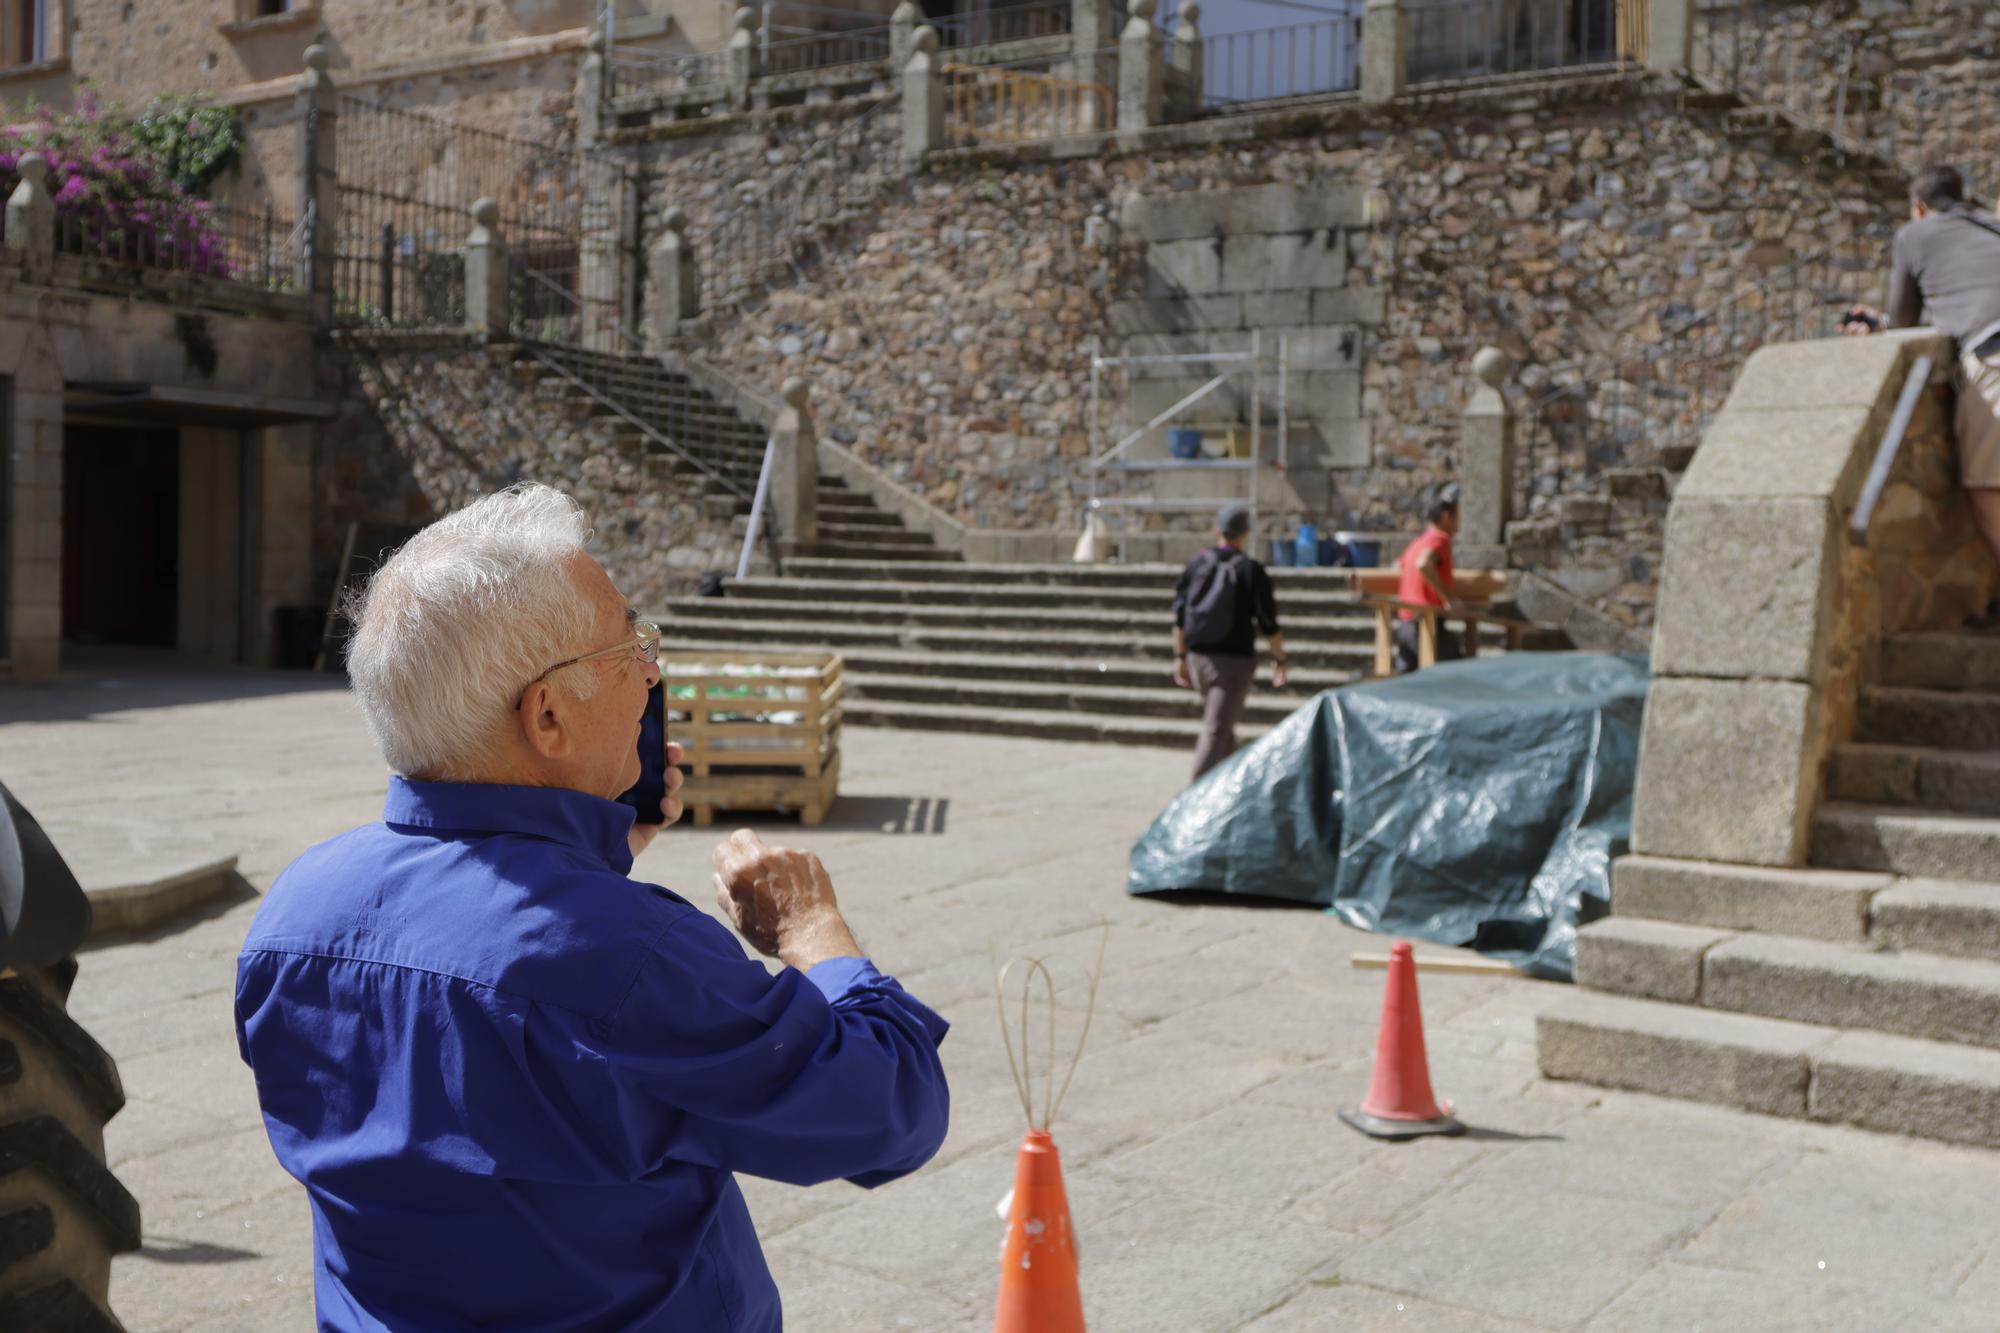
1400	1102
1038	1289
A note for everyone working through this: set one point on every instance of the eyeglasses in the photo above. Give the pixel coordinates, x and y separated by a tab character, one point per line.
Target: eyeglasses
644	647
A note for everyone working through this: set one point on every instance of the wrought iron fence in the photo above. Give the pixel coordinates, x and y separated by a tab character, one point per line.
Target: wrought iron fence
407	183
1267	64
636	74
827	50
254	247
1657	395
1006	23
1840	72
1469	39
991	104
773	228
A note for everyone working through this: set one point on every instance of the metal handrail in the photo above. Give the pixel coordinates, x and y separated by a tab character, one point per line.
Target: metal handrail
1886	453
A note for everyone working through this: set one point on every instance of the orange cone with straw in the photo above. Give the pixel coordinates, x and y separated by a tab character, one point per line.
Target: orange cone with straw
1038	1262
1400	1103
1038	1286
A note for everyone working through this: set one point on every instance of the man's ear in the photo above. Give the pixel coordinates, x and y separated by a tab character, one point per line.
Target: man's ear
542	721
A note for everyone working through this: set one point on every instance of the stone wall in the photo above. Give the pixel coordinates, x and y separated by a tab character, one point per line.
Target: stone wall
1573	224
429	424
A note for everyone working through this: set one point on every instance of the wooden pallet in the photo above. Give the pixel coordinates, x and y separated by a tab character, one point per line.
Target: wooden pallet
738	756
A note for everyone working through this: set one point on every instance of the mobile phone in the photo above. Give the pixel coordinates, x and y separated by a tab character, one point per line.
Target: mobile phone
651	788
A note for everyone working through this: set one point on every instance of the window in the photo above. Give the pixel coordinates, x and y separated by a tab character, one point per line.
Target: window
24	32
264	9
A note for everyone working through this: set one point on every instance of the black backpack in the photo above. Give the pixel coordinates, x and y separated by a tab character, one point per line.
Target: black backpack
1217	592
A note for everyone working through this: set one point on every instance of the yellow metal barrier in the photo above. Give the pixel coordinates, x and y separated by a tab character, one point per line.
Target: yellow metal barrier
985	105
1633	19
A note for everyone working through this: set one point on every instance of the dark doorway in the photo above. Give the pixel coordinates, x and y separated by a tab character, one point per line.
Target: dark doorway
121	539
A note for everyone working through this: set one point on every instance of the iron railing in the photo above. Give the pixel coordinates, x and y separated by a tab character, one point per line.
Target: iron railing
766	237
1006	23
254	247
1268	64
635	74
406	187
1886	453
1847	75
1470	39
827	50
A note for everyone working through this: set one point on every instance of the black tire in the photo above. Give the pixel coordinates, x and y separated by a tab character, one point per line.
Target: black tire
62	1213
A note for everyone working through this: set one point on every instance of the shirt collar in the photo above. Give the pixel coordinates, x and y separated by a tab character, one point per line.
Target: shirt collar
573	818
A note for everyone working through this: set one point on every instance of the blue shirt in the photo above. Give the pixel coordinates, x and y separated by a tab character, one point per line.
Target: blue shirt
516	1083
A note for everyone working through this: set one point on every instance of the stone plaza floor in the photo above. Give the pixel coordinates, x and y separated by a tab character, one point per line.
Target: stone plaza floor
1210	1182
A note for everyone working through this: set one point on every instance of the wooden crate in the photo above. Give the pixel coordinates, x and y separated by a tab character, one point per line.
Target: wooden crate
739	756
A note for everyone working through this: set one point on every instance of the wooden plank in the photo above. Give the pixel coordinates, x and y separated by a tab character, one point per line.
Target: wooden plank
1427	962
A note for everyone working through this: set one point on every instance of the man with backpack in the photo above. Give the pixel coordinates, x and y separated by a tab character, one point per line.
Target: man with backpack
1223	598
1946	265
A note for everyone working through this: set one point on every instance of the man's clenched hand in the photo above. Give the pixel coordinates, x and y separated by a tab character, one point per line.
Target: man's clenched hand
781	900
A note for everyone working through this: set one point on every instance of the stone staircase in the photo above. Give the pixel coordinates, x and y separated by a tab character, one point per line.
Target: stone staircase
1052	651
718	452
1864	989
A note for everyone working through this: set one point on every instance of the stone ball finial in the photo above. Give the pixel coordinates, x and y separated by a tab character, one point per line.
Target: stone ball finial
1491	365
486	212
745	20
318	58
1142	9
33	167
796	392
675	219
925	39
1190	12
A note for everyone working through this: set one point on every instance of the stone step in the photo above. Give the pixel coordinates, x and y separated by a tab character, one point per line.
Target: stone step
1156	600
1940	917
1964	781
687	625
1898	1085
862	512
1347	629
1941	719
1149	576
1906	841
845	533
1102	729
1816	904
1125	672
871	550
1942	661
1007	696
1905	994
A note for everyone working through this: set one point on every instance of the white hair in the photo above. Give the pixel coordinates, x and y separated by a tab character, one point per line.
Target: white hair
458	622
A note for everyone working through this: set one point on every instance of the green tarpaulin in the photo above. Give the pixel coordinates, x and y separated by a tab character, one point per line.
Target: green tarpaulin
1475	803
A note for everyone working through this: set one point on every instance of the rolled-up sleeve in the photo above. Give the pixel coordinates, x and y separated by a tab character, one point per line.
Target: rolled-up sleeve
798	1077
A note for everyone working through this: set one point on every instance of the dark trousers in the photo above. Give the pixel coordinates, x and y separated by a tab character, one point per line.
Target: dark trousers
1223	683
1448	649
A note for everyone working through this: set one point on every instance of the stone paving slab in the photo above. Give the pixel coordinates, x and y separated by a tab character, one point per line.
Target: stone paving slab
1212	1186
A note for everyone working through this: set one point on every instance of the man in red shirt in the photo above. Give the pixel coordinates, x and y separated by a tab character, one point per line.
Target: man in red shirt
1427	581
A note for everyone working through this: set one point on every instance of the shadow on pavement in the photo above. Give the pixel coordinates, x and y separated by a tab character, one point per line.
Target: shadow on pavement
95	681
167	1250
1210	898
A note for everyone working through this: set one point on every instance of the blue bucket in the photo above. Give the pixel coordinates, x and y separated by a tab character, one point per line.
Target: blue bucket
1184	443
1363	551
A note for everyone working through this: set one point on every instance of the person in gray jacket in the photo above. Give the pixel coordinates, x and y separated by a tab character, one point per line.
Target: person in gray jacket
1946	266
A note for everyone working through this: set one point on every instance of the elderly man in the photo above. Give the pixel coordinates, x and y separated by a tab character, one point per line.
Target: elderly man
515	1082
